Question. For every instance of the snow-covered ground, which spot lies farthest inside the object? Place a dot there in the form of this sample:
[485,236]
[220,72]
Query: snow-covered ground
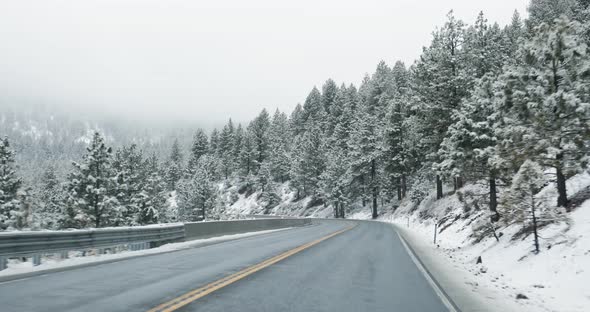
[288,206]
[16,267]
[555,279]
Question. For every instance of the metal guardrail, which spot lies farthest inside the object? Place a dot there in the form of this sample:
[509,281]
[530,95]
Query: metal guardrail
[34,244]
[199,230]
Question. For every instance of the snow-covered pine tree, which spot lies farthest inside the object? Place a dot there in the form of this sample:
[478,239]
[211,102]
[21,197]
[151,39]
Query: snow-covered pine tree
[312,148]
[328,98]
[247,154]
[345,103]
[546,102]
[174,166]
[127,165]
[511,34]
[200,147]
[296,121]
[520,205]
[48,213]
[198,194]
[226,140]
[439,85]
[279,147]
[10,183]
[396,157]
[237,148]
[335,180]
[214,142]
[258,130]
[547,11]
[90,185]
[469,147]
[151,200]
[483,49]
[366,151]
[269,197]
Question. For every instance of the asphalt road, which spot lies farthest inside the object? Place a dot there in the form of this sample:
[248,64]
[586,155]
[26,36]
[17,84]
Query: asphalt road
[365,268]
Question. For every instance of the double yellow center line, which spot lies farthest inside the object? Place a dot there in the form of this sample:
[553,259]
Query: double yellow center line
[193,295]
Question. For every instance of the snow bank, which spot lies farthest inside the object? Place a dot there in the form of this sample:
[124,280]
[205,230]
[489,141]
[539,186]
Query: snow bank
[553,280]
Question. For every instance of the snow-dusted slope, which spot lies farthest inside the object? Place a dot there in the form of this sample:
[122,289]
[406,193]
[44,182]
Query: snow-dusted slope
[555,279]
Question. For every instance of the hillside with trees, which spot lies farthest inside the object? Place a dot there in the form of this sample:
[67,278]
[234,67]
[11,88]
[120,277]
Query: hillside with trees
[480,101]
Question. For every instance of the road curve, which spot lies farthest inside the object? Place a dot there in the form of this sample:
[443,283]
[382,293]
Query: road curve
[363,268]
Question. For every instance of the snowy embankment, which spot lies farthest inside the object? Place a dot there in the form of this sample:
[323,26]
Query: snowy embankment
[510,274]
[52,263]
[288,206]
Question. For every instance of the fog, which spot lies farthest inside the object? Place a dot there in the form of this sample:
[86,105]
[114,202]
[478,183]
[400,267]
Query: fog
[207,61]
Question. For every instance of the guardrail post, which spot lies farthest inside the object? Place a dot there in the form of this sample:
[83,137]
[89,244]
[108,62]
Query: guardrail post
[3,263]
[36,259]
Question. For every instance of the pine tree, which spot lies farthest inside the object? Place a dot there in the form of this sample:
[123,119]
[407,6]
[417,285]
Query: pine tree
[296,121]
[175,166]
[48,215]
[335,181]
[90,186]
[545,102]
[469,147]
[520,204]
[199,148]
[151,200]
[258,130]
[395,135]
[547,11]
[10,183]
[127,167]
[439,85]
[268,191]
[328,98]
[214,143]
[279,139]
[226,141]
[512,34]
[197,195]
[247,154]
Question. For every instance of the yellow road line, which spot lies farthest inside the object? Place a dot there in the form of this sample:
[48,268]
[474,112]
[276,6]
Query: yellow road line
[193,295]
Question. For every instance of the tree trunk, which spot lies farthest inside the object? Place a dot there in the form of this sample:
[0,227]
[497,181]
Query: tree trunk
[342,211]
[203,209]
[561,188]
[534,223]
[493,199]
[439,187]
[399,189]
[373,171]
[459,182]
[404,186]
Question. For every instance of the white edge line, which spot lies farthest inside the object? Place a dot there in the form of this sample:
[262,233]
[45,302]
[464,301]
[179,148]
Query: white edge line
[439,292]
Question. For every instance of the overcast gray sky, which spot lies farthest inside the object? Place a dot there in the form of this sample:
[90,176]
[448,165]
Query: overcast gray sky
[206,61]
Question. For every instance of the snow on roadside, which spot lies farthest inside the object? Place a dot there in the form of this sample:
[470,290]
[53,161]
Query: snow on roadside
[553,280]
[17,267]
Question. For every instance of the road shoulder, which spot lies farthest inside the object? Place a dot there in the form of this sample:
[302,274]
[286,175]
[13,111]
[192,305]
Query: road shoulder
[450,278]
